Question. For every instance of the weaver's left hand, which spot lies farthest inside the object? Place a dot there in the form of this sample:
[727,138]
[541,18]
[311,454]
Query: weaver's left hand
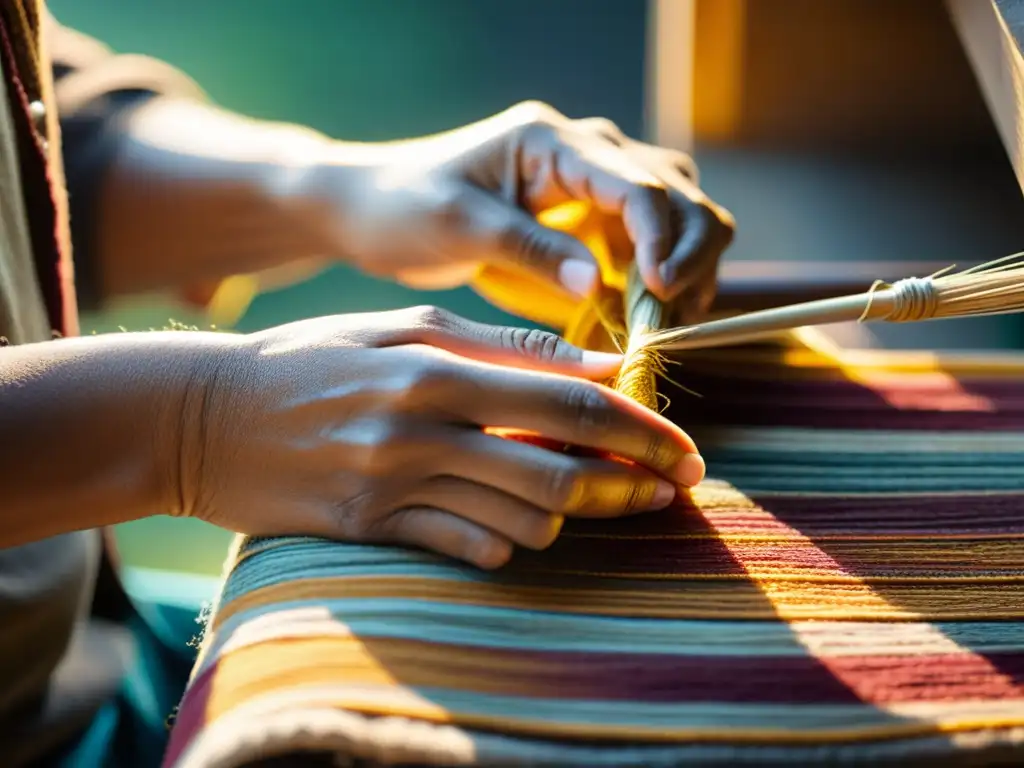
[429,212]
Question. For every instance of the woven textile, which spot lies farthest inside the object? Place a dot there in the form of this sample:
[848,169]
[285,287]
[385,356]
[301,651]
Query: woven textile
[847,586]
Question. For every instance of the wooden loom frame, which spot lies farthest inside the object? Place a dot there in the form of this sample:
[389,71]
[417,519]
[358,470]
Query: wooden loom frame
[991,32]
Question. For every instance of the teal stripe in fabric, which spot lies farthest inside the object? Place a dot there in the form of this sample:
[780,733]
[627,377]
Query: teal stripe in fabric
[487,627]
[782,441]
[290,562]
[848,587]
[836,472]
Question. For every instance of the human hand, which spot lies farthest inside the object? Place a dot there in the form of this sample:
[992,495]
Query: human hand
[370,427]
[429,212]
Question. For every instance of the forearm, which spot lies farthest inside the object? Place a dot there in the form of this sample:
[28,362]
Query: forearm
[197,193]
[91,429]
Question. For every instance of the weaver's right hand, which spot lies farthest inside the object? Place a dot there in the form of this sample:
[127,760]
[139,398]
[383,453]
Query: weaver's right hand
[370,428]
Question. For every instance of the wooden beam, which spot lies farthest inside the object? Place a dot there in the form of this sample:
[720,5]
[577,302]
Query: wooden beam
[719,61]
[991,32]
[669,80]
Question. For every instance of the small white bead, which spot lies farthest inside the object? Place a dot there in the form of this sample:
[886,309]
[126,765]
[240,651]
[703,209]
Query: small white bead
[38,111]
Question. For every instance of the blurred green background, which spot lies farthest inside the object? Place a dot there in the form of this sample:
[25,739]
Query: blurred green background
[363,70]
[384,69]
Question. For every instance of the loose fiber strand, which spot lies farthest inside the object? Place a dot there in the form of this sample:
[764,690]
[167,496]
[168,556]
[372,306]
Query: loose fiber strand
[993,288]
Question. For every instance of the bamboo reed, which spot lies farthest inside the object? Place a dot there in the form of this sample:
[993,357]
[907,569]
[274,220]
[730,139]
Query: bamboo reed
[993,288]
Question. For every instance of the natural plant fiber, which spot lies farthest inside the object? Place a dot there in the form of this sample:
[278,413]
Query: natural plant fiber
[638,378]
[993,288]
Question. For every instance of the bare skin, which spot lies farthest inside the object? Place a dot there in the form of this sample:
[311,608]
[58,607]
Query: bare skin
[364,427]
[205,194]
[360,427]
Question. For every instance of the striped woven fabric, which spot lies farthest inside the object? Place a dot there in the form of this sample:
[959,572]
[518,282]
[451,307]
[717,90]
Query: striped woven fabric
[849,586]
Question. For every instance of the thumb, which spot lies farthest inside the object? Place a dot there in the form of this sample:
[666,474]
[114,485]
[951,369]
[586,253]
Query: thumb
[502,233]
[526,348]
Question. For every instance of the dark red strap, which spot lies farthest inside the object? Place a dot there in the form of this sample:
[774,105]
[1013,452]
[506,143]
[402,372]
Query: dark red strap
[52,265]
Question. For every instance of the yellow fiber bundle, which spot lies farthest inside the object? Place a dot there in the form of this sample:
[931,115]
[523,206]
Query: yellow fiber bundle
[599,323]
[620,315]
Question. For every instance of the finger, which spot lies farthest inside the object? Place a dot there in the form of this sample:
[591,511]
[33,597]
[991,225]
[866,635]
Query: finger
[498,232]
[654,157]
[688,231]
[605,128]
[693,302]
[514,519]
[526,348]
[440,531]
[574,411]
[707,231]
[673,275]
[673,227]
[555,483]
[703,230]
[595,170]
[648,155]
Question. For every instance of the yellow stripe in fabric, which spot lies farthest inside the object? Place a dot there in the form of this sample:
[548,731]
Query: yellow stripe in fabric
[792,578]
[796,362]
[774,580]
[842,595]
[363,676]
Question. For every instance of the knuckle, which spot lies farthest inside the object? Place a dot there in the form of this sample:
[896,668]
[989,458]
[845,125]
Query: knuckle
[383,527]
[717,221]
[629,498]
[603,127]
[677,158]
[661,453]
[590,410]
[352,519]
[535,124]
[725,224]
[422,381]
[535,112]
[636,496]
[566,489]
[524,245]
[536,343]
[683,162]
[379,446]
[430,318]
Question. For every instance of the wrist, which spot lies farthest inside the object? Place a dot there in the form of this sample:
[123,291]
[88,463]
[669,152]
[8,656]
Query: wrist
[330,195]
[95,428]
[188,416]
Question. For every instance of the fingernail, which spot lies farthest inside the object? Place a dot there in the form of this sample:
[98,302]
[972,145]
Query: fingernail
[690,470]
[664,494]
[490,553]
[579,277]
[667,273]
[603,360]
